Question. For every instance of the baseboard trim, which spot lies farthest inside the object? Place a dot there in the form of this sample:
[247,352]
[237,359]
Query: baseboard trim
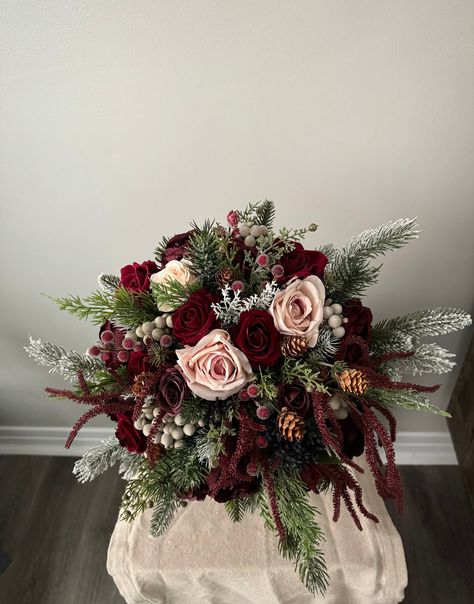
[411,448]
[29,440]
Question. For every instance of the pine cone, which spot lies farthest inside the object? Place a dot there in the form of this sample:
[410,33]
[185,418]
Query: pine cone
[352,381]
[290,424]
[225,276]
[294,346]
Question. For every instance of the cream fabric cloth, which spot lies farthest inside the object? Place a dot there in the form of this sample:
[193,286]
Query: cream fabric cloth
[204,558]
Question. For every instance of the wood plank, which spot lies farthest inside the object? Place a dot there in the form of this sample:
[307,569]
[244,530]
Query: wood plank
[461,426]
[437,530]
[56,532]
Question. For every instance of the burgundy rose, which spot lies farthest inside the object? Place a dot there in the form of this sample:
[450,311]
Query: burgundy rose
[359,324]
[138,362]
[171,390]
[301,263]
[136,276]
[195,318]
[198,493]
[232,487]
[128,436]
[176,247]
[359,319]
[256,336]
[296,398]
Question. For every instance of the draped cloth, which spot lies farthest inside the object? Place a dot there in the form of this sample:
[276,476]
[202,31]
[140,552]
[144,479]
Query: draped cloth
[204,558]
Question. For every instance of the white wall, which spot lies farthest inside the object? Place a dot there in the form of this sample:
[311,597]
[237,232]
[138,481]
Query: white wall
[122,120]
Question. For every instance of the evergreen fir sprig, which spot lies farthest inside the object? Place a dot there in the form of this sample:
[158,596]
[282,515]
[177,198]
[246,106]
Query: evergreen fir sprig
[237,508]
[351,272]
[164,510]
[408,399]
[64,362]
[401,334]
[426,358]
[261,213]
[104,456]
[105,381]
[108,283]
[194,409]
[125,308]
[161,487]
[159,355]
[171,293]
[160,250]
[204,252]
[329,250]
[303,534]
[326,346]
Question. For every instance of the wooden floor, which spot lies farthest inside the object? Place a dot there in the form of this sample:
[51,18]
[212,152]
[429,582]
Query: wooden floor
[56,534]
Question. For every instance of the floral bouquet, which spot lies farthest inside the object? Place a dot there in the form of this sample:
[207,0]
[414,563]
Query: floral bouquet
[240,366]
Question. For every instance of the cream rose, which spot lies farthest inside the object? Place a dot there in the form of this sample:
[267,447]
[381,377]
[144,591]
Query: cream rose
[297,310]
[179,270]
[214,368]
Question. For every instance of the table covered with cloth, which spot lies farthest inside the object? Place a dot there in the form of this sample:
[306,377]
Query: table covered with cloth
[204,558]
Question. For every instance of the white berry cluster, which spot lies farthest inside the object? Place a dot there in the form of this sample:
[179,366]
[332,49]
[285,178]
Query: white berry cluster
[171,431]
[332,313]
[155,330]
[249,232]
[339,406]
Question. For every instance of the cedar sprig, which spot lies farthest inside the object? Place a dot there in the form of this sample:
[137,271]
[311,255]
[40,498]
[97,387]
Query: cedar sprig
[125,308]
[301,371]
[172,293]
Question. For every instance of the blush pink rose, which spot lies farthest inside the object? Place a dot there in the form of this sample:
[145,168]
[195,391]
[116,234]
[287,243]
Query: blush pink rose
[297,310]
[214,368]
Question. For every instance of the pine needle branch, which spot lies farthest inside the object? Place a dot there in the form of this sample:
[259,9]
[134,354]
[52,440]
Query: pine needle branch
[171,293]
[408,399]
[426,358]
[102,457]
[265,213]
[64,362]
[401,334]
[303,534]
[237,508]
[204,253]
[351,272]
[125,308]
[108,283]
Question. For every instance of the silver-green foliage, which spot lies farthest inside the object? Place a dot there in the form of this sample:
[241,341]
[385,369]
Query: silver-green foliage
[408,399]
[402,334]
[108,283]
[59,360]
[351,271]
[104,456]
[426,358]
[228,311]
